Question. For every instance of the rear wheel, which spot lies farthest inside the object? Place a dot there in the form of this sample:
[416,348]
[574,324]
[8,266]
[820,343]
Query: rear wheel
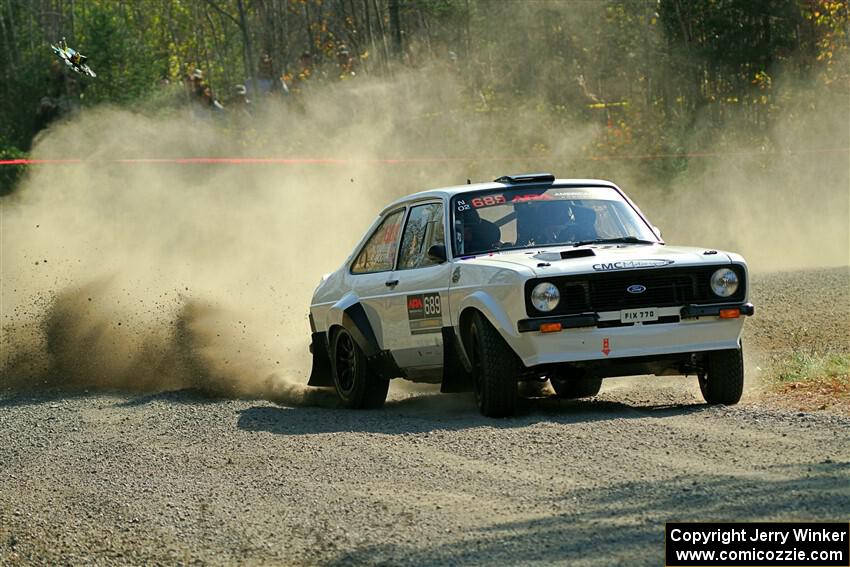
[358,387]
[574,388]
[495,368]
[722,381]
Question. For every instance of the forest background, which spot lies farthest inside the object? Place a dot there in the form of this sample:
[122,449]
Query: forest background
[646,75]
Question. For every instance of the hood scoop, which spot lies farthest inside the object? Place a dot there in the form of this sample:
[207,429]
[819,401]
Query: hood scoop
[564,254]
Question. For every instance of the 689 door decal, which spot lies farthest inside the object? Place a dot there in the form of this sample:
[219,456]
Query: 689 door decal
[425,313]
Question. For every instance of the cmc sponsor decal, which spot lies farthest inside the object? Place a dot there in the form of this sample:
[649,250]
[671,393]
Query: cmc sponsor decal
[630,265]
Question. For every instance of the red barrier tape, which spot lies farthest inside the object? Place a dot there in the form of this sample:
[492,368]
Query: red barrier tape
[337,161]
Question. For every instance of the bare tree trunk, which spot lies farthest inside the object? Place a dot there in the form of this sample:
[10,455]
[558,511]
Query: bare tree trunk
[248,48]
[12,28]
[373,51]
[270,44]
[201,50]
[30,32]
[395,27]
[10,48]
[468,35]
[380,19]
[285,26]
[351,27]
[173,35]
[427,29]
[307,27]
[220,55]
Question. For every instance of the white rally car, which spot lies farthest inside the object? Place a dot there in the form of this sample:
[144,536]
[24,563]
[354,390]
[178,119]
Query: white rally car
[526,278]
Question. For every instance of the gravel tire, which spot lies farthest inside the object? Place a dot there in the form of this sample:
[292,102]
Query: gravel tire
[723,380]
[356,384]
[495,368]
[574,388]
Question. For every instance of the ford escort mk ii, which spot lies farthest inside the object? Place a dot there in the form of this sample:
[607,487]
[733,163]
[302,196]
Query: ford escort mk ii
[529,278]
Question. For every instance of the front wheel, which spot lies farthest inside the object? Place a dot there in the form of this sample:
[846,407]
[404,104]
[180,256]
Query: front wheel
[495,368]
[722,381]
[357,386]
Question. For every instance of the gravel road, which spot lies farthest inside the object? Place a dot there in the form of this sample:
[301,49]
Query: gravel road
[178,478]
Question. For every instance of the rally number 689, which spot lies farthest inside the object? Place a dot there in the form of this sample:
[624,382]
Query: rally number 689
[431,304]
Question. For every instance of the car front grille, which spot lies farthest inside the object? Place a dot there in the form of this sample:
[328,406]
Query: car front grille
[608,291]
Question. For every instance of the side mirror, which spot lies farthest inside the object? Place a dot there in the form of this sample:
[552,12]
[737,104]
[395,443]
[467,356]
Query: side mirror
[657,231]
[437,252]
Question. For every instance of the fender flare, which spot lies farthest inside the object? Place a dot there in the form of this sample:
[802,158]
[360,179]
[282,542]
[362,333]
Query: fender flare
[334,315]
[491,309]
[349,314]
[355,321]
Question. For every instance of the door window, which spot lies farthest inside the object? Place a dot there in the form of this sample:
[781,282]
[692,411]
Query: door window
[424,229]
[378,255]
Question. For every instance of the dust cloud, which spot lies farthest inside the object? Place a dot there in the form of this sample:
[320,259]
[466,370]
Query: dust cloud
[158,276]
[786,207]
[150,276]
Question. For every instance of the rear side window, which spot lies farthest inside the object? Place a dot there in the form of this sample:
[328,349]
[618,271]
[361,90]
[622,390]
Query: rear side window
[424,229]
[378,255]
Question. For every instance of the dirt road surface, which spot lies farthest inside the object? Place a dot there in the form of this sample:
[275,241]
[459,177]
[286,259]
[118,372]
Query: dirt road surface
[178,478]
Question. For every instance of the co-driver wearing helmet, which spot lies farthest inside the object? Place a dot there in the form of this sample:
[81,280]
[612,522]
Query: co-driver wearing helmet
[474,234]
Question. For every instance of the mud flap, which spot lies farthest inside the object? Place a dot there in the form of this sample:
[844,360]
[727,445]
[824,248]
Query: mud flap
[355,321]
[457,376]
[320,374]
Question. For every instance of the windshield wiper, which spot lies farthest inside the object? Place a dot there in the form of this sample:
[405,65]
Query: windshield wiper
[624,239]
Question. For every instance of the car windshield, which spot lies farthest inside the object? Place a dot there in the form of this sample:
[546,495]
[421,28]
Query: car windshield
[504,219]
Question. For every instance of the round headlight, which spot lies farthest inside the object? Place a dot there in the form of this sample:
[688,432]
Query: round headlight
[724,282]
[545,296]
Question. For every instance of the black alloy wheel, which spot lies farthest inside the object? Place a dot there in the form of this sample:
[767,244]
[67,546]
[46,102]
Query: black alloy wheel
[356,383]
[345,363]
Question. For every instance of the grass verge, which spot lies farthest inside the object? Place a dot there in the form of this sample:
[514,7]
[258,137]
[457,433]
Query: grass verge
[811,381]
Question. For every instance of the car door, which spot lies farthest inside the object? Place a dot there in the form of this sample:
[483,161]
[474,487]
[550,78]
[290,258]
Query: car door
[418,296]
[372,268]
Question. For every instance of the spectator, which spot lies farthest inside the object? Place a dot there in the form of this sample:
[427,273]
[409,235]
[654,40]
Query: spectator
[240,103]
[284,88]
[209,101]
[306,65]
[345,62]
[195,85]
[265,75]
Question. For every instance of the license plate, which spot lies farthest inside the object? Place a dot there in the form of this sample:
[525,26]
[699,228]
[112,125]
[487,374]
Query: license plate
[639,315]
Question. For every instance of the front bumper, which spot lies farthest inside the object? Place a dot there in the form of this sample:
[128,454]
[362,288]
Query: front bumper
[591,336]
[593,319]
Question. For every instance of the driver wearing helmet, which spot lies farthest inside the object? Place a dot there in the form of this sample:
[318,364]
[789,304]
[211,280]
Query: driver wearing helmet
[550,218]
[474,234]
[584,227]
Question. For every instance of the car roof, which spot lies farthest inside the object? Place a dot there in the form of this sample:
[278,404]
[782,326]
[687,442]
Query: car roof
[451,191]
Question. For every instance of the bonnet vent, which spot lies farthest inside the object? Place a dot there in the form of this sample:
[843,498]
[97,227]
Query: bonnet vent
[580,253]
